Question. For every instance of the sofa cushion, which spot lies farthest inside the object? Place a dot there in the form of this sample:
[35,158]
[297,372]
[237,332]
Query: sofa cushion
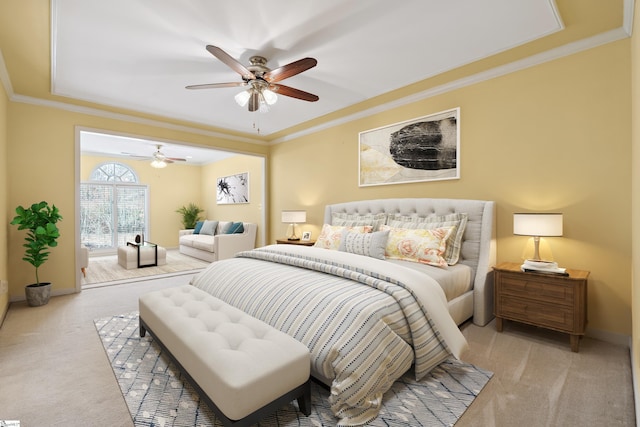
[198,227]
[198,241]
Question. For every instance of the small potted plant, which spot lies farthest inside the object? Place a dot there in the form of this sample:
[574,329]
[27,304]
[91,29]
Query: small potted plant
[190,215]
[42,233]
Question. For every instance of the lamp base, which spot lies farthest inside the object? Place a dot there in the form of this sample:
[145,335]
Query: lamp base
[293,239]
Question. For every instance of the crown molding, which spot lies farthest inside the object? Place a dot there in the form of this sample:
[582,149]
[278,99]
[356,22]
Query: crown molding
[128,118]
[550,55]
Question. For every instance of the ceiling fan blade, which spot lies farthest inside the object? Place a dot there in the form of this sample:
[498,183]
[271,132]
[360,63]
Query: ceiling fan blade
[175,159]
[231,62]
[216,85]
[293,93]
[290,70]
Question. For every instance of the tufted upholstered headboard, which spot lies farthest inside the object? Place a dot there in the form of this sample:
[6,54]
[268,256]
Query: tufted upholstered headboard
[478,243]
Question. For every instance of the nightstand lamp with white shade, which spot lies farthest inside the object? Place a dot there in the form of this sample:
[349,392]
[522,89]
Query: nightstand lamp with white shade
[293,218]
[537,225]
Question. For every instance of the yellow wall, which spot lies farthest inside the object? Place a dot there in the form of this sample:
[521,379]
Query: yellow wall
[41,147]
[554,137]
[635,211]
[4,210]
[247,212]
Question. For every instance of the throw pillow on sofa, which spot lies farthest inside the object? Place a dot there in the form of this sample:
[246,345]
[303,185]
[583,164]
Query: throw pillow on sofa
[198,227]
[236,228]
[209,227]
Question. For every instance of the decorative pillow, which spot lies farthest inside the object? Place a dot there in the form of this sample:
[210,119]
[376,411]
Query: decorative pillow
[331,235]
[198,227]
[209,227]
[223,226]
[236,228]
[367,244]
[454,243]
[418,245]
[353,220]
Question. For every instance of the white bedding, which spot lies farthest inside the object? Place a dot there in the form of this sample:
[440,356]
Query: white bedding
[454,280]
[361,338]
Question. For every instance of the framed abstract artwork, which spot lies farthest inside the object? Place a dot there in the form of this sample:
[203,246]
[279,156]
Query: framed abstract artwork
[422,149]
[233,189]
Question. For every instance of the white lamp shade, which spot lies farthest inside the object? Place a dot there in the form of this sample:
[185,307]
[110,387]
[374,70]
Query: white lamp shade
[537,224]
[294,217]
[158,164]
[243,98]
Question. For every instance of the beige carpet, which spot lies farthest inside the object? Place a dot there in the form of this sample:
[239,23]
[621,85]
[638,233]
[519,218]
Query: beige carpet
[106,270]
[53,369]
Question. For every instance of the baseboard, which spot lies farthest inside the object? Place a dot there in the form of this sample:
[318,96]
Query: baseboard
[634,382]
[610,337]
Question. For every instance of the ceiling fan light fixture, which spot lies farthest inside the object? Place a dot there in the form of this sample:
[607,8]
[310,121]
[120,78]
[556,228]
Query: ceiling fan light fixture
[242,98]
[158,164]
[269,96]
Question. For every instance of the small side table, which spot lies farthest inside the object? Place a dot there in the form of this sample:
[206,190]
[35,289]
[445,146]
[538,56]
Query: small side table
[295,242]
[138,246]
[541,299]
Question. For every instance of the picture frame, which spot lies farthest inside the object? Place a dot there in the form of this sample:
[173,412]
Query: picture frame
[306,236]
[233,189]
[423,149]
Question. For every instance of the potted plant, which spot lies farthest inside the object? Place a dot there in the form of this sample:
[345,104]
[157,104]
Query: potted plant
[42,233]
[190,215]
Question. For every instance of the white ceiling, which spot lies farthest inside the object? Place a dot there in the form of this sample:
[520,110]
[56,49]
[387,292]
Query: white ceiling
[140,55]
[100,144]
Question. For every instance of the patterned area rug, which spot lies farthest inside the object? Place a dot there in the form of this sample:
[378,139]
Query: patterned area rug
[157,395]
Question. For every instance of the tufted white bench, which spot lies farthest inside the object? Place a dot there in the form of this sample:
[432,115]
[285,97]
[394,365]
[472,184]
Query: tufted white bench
[242,367]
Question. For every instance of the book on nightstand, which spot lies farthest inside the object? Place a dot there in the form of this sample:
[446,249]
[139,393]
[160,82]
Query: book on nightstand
[547,267]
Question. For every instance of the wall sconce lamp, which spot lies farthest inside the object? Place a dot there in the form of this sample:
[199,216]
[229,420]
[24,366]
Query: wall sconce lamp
[537,225]
[293,218]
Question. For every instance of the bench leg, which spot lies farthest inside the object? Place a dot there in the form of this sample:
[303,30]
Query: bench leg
[304,401]
[143,331]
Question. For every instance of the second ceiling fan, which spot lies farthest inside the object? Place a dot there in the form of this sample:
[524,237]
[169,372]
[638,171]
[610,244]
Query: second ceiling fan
[261,81]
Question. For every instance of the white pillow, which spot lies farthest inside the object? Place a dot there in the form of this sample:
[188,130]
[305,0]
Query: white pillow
[209,227]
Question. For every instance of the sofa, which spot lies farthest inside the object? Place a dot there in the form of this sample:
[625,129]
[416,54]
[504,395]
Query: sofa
[215,240]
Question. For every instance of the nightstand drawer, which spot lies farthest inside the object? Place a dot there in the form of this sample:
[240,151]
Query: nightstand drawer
[541,289]
[539,314]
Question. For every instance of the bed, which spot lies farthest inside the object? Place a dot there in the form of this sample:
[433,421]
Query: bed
[367,320]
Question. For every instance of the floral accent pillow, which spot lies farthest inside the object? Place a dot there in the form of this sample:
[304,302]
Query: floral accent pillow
[454,243]
[331,235]
[418,245]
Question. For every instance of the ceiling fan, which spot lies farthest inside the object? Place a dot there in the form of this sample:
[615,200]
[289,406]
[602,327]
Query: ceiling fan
[262,82]
[158,159]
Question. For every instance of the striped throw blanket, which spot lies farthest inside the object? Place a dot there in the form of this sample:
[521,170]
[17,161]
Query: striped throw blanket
[364,329]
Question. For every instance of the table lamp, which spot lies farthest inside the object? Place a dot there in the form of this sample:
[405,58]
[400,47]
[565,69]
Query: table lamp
[293,218]
[537,225]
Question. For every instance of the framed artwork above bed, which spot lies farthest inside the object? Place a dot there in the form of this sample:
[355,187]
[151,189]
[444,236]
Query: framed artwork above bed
[233,189]
[426,148]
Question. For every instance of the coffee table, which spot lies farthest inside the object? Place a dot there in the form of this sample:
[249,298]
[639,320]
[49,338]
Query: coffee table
[145,245]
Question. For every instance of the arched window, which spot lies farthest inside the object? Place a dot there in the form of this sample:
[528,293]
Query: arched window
[113,171]
[113,207]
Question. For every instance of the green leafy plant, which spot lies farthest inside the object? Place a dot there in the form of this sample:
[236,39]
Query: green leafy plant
[190,215]
[42,233]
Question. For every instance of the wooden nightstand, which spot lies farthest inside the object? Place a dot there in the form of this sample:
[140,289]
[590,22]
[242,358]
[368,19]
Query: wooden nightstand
[295,242]
[546,300]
